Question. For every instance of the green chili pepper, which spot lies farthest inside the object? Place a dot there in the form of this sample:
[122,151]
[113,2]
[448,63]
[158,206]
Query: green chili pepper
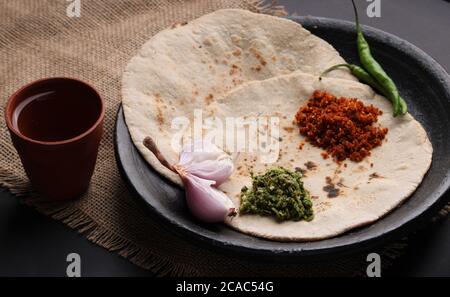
[403,106]
[376,71]
[365,77]
[360,73]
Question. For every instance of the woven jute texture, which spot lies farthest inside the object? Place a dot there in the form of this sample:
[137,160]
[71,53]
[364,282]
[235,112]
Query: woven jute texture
[37,40]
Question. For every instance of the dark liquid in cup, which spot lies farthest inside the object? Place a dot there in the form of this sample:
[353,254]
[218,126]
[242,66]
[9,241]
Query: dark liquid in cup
[56,114]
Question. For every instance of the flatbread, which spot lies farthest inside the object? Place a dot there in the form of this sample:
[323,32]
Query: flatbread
[191,65]
[176,72]
[368,189]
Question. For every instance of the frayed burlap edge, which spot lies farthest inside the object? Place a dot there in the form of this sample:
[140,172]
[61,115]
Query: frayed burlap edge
[78,220]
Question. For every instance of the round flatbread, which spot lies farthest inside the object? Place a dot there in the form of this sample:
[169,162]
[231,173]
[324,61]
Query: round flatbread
[190,66]
[367,190]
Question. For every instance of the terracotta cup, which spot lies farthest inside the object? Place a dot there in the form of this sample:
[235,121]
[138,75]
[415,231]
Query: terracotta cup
[58,137]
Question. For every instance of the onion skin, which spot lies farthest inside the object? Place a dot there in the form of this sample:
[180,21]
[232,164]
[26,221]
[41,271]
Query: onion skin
[218,171]
[202,169]
[205,160]
[205,202]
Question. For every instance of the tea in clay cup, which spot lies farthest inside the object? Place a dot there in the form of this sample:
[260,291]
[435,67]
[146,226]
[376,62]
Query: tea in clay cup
[56,125]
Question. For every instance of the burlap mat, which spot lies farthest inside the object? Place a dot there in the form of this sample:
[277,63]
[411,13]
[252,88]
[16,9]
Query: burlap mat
[38,40]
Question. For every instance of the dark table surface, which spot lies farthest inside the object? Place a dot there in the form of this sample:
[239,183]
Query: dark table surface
[34,245]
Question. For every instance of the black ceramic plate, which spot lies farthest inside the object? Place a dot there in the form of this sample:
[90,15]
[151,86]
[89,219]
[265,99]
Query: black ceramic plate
[426,88]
